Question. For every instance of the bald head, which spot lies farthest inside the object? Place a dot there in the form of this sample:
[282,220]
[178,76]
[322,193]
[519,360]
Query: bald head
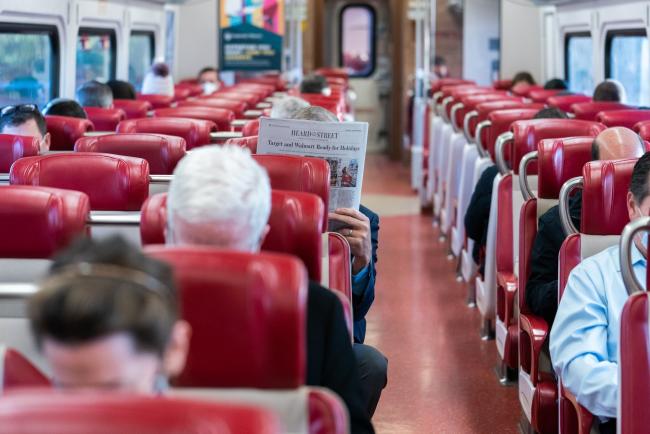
[617,143]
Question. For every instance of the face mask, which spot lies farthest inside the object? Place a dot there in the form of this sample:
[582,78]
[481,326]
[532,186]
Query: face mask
[327,91]
[209,87]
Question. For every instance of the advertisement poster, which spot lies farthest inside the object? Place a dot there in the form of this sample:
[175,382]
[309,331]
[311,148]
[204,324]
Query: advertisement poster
[251,35]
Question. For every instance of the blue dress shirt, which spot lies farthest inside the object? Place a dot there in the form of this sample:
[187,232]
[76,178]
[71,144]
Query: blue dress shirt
[584,338]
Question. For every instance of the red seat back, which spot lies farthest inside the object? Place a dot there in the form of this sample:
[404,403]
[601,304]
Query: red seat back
[13,147]
[251,99]
[500,123]
[65,131]
[36,222]
[588,110]
[437,85]
[181,93]
[196,132]
[161,151]
[504,84]
[643,129]
[156,101]
[193,88]
[244,142]
[564,102]
[623,118]
[220,116]
[260,301]
[251,128]
[560,160]
[18,372]
[238,107]
[105,119]
[484,109]
[49,412]
[133,108]
[112,182]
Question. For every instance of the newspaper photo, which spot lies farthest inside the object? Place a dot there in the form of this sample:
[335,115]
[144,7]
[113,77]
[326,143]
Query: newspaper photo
[342,144]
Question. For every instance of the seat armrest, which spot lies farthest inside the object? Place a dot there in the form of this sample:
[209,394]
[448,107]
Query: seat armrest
[506,290]
[584,418]
[537,330]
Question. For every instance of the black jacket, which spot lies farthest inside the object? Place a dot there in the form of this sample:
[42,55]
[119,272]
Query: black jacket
[330,360]
[541,287]
[478,211]
[363,292]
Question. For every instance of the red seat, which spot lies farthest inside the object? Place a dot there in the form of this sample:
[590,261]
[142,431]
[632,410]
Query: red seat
[193,88]
[244,142]
[499,122]
[156,101]
[196,132]
[251,128]
[469,108]
[623,118]
[13,147]
[105,119]
[643,129]
[49,412]
[221,117]
[251,99]
[542,95]
[588,110]
[112,182]
[564,102]
[18,372]
[558,161]
[238,107]
[504,84]
[65,131]
[161,151]
[133,108]
[181,93]
[604,213]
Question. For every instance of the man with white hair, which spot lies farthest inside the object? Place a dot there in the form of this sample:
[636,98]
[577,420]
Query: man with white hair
[287,107]
[221,197]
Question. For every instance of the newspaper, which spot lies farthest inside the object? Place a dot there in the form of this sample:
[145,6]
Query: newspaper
[342,144]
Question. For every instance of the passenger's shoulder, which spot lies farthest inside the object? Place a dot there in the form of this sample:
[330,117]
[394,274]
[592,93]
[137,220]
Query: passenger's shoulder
[602,263]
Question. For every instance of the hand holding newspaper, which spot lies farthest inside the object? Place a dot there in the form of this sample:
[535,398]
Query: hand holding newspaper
[342,144]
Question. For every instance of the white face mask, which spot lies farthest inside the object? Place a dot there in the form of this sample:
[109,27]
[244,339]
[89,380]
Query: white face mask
[209,87]
[327,91]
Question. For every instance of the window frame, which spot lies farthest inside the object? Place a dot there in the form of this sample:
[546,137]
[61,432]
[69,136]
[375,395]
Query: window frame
[152,40]
[373,37]
[101,31]
[567,41]
[55,47]
[609,38]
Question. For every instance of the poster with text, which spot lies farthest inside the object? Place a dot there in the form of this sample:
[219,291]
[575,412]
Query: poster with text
[251,35]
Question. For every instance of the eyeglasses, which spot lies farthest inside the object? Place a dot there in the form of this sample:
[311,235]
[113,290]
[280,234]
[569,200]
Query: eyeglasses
[20,108]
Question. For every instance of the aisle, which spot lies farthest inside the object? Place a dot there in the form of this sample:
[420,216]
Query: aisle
[440,372]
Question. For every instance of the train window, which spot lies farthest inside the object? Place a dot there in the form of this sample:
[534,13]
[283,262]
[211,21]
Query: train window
[357,40]
[96,54]
[578,62]
[141,52]
[627,61]
[29,65]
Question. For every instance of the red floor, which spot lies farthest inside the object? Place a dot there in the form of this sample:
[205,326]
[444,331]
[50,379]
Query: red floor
[441,377]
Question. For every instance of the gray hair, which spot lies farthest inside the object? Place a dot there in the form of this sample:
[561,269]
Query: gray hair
[95,94]
[315,113]
[219,196]
[287,107]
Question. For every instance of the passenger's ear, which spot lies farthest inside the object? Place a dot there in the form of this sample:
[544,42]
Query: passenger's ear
[263,236]
[175,355]
[45,143]
[631,206]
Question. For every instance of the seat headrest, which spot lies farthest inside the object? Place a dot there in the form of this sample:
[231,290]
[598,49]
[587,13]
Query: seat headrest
[220,116]
[80,412]
[542,95]
[588,110]
[244,142]
[643,129]
[17,371]
[251,99]
[181,93]
[527,133]
[36,222]
[560,160]
[448,89]
[623,118]
[105,119]
[564,102]
[502,84]
[459,92]
[260,303]
[604,198]
[251,128]
[133,108]
[196,132]
[194,89]
[13,147]
[437,85]
[156,101]
[473,100]
[485,108]
[64,131]
[501,121]
[161,151]
[302,174]
[238,107]
[112,182]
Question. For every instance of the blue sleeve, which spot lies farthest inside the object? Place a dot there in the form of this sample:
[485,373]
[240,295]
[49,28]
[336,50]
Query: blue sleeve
[363,283]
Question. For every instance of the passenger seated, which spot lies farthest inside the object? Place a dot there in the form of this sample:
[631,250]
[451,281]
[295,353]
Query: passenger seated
[478,211]
[95,94]
[440,68]
[221,197]
[209,78]
[584,340]
[556,84]
[315,83]
[121,89]
[522,81]
[287,107]
[107,317]
[25,120]
[541,289]
[158,81]
[65,107]
[610,90]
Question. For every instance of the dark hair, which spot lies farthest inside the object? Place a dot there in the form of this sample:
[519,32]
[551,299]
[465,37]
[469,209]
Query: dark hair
[313,83]
[98,288]
[160,69]
[439,61]
[207,69]
[19,117]
[523,76]
[556,83]
[95,94]
[639,181]
[65,107]
[607,91]
[551,113]
[121,89]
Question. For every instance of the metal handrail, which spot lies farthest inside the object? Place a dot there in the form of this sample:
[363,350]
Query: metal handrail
[122,219]
[452,116]
[563,206]
[445,103]
[632,284]
[225,135]
[436,96]
[468,118]
[17,290]
[499,149]
[477,138]
[524,186]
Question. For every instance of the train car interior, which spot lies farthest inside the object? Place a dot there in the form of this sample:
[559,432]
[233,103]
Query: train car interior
[324,216]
